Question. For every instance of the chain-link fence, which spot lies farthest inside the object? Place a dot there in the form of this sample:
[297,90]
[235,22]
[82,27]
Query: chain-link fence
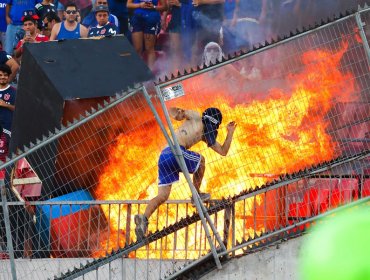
[300,148]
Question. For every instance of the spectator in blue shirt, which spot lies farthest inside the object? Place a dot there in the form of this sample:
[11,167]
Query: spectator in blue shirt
[13,14]
[119,9]
[2,22]
[90,20]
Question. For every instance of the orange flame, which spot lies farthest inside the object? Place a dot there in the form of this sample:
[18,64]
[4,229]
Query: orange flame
[281,134]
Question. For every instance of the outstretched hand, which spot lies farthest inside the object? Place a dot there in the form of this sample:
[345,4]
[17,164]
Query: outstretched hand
[231,127]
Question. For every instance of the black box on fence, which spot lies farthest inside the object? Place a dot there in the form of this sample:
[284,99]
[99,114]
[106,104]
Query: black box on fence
[60,80]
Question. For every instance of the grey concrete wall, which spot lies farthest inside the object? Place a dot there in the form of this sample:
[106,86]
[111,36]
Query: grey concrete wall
[278,262]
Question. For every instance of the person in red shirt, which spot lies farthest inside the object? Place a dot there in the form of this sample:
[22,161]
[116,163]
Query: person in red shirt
[32,35]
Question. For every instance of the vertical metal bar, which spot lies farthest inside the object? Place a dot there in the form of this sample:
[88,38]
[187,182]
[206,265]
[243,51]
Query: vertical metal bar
[79,229]
[254,216]
[233,228]
[118,225]
[186,234]
[109,221]
[265,211]
[9,240]
[128,226]
[156,225]
[59,225]
[227,220]
[361,25]
[175,233]
[160,259]
[200,207]
[89,229]
[244,218]
[69,228]
[360,184]
[166,237]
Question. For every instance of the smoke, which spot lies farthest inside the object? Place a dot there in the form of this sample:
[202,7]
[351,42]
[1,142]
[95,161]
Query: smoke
[281,17]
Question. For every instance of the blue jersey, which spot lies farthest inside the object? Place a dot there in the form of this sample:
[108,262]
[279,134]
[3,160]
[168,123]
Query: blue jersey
[90,20]
[6,115]
[146,12]
[17,7]
[2,16]
[107,30]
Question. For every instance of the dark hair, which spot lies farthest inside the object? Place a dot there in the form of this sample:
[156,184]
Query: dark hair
[29,18]
[50,16]
[70,4]
[5,68]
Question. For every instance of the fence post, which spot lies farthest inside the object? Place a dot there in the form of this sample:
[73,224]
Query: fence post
[361,25]
[9,239]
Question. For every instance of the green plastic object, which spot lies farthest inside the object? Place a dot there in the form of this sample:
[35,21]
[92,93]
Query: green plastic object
[338,247]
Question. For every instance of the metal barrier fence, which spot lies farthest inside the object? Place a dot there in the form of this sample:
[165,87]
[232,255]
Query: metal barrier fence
[304,102]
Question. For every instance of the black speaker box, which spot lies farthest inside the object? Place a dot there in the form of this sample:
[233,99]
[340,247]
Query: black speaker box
[56,76]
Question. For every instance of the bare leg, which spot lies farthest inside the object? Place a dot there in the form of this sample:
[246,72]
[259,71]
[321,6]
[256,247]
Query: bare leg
[149,41]
[163,194]
[198,175]
[137,41]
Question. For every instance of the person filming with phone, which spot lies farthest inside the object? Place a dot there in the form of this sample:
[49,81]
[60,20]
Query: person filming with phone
[29,20]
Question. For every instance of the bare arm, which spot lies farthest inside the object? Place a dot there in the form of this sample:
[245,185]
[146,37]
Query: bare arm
[7,17]
[181,114]
[207,2]
[224,148]
[55,31]
[83,31]
[14,66]
[6,105]
[132,5]
[18,52]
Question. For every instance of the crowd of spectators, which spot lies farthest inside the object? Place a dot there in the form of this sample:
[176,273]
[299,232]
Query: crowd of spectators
[169,34]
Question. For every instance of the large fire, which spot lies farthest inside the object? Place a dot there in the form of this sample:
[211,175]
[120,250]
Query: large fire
[283,133]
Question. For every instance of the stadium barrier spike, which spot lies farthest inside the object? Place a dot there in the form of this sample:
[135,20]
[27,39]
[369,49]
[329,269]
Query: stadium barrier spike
[111,98]
[166,78]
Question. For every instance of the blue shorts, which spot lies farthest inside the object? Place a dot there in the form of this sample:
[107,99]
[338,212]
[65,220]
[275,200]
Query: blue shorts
[146,23]
[168,168]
